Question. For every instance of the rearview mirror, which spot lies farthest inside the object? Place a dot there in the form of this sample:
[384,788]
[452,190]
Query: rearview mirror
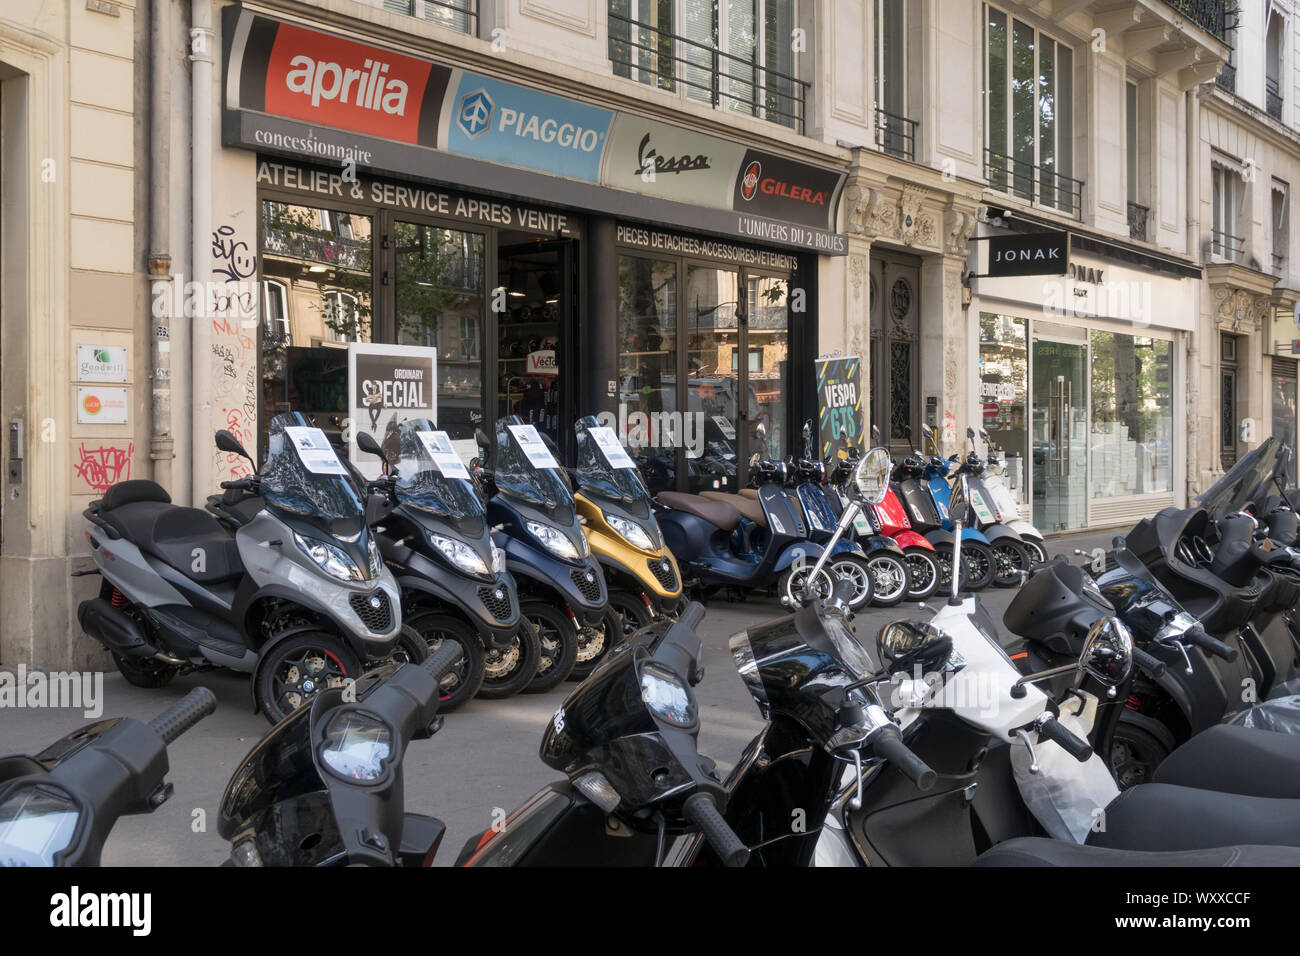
[872,476]
[366,442]
[229,443]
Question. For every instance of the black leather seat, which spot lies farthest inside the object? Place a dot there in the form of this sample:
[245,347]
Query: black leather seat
[1161,817]
[1040,851]
[129,492]
[1233,759]
[172,533]
[178,533]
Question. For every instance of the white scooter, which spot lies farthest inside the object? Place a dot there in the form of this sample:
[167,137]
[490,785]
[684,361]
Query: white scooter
[1005,507]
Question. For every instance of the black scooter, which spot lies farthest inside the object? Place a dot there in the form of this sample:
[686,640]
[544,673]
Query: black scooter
[433,533]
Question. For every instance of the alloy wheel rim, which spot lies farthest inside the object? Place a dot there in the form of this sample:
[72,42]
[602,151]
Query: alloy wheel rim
[300,678]
[922,571]
[890,577]
[854,572]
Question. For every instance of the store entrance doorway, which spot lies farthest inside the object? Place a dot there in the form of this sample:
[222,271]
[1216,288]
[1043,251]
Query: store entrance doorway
[533,304]
[1060,434]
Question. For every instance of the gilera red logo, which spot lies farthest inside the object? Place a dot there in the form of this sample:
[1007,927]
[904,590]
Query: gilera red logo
[775,187]
[749,184]
[335,82]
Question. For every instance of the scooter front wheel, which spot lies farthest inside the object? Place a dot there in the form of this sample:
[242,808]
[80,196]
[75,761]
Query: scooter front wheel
[1010,562]
[145,671]
[858,570]
[890,578]
[977,564]
[1037,553]
[627,614]
[507,670]
[794,588]
[298,668]
[923,567]
[465,677]
[557,636]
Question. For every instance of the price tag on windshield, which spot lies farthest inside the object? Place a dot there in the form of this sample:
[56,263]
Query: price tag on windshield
[533,447]
[610,447]
[724,426]
[439,447]
[315,450]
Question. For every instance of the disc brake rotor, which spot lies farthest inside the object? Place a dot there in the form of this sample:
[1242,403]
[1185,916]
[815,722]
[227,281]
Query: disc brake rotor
[497,663]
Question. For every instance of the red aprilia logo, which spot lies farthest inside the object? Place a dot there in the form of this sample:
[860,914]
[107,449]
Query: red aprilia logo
[335,82]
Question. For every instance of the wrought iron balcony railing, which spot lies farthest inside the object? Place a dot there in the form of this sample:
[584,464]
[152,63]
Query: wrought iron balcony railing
[1210,15]
[1040,185]
[461,15]
[657,57]
[1137,221]
[896,135]
[1272,98]
[1225,247]
[311,246]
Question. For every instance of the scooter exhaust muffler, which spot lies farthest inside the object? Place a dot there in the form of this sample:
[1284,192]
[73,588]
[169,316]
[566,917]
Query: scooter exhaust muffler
[115,630]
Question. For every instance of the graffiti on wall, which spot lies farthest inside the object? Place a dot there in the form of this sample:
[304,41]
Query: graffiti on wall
[97,466]
[234,349]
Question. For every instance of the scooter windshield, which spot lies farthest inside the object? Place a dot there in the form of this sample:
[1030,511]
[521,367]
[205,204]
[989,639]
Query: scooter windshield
[303,474]
[1236,489]
[521,466]
[598,475]
[431,477]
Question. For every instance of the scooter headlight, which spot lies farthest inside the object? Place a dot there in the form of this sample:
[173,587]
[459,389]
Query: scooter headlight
[376,561]
[555,540]
[632,532]
[462,556]
[357,747]
[333,560]
[667,697]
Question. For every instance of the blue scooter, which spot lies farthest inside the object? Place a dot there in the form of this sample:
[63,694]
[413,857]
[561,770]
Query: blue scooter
[724,541]
[978,564]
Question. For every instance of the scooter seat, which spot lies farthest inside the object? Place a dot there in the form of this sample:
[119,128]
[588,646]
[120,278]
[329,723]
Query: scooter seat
[751,493]
[134,490]
[1041,851]
[1160,817]
[173,535]
[1234,759]
[718,513]
[751,508]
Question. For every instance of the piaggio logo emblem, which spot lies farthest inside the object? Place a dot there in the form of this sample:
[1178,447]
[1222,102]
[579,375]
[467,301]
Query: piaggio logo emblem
[475,113]
[749,183]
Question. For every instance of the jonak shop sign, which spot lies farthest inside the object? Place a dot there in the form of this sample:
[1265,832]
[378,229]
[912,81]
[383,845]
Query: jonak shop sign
[323,98]
[1038,254]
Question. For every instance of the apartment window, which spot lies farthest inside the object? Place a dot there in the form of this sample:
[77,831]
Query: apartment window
[1275,47]
[460,15]
[737,55]
[1225,244]
[1138,214]
[276,307]
[1029,95]
[342,317]
[895,133]
[1281,226]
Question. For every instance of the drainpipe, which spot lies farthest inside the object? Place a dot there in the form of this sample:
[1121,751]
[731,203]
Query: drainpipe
[201,44]
[1193,247]
[161,443]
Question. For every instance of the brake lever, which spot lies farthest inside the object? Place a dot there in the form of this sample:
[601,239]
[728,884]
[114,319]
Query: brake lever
[1029,745]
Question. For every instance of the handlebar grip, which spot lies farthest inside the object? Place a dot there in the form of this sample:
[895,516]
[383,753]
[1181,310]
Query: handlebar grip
[1068,740]
[692,616]
[888,743]
[703,812]
[184,714]
[442,660]
[1149,663]
[1210,645]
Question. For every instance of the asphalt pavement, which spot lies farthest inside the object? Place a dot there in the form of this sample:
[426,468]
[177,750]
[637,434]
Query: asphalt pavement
[484,760]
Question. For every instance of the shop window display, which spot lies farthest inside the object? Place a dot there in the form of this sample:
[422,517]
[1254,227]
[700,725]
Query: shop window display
[1132,415]
[1004,369]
